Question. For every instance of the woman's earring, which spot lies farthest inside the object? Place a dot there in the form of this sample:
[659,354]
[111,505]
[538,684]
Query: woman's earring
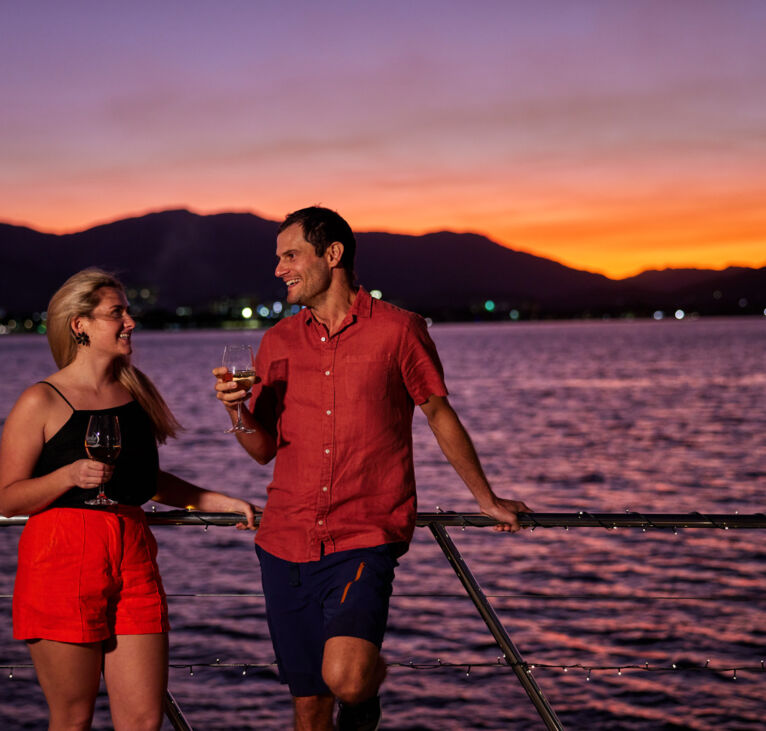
[81,338]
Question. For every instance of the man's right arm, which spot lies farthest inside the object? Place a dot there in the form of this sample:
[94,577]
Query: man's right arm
[261,444]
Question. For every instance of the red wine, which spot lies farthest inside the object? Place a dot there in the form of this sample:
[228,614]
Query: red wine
[102,454]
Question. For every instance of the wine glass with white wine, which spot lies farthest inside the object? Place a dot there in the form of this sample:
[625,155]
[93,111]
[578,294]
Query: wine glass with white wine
[239,364]
[102,443]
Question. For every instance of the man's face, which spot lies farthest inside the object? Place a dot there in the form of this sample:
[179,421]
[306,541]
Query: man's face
[306,275]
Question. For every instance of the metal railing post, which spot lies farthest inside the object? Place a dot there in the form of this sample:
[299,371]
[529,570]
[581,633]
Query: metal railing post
[174,713]
[511,654]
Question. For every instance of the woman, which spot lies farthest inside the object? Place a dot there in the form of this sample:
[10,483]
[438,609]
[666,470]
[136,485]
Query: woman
[88,594]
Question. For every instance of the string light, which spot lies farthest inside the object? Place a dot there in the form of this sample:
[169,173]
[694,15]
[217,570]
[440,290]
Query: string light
[499,664]
[537,596]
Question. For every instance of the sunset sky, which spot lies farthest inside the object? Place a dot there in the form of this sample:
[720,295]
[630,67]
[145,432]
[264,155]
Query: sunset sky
[610,135]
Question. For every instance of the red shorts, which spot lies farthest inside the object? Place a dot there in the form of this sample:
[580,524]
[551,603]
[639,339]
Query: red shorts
[86,575]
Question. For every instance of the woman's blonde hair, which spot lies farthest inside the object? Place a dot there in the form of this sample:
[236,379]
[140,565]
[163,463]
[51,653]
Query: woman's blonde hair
[78,297]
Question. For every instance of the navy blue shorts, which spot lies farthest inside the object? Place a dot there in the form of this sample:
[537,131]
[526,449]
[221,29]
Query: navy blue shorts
[343,594]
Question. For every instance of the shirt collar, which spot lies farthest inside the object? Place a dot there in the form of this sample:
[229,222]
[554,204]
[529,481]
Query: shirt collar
[362,307]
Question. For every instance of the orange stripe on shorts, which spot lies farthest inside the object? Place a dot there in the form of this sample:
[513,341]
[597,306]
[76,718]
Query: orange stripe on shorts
[356,578]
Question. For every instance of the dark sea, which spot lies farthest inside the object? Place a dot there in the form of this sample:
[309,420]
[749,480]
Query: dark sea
[628,629]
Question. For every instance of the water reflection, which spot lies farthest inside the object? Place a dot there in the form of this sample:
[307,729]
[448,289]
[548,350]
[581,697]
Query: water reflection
[651,416]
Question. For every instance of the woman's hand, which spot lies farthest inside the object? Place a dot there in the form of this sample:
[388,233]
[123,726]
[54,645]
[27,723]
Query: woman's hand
[250,512]
[87,473]
[172,490]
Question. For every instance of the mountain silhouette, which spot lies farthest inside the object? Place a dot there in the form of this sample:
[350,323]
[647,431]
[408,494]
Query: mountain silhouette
[193,260]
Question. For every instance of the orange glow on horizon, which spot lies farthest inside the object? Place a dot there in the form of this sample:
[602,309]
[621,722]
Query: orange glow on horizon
[618,245]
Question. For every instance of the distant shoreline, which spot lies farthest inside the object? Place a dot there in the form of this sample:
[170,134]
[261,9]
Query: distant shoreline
[32,324]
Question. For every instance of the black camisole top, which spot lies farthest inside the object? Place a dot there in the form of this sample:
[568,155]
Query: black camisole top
[134,480]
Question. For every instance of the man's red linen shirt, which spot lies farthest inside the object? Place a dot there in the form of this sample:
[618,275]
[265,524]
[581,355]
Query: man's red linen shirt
[341,410]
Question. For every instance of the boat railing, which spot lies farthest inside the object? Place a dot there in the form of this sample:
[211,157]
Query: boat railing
[437,523]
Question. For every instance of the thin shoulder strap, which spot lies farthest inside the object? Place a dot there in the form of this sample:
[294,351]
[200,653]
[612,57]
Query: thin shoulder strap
[59,393]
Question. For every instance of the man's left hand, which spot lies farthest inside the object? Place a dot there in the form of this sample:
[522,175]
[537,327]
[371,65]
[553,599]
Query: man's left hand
[506,513]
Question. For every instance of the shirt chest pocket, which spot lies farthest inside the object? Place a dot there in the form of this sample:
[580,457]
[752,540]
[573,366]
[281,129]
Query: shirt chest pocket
[277,372]
[366,379]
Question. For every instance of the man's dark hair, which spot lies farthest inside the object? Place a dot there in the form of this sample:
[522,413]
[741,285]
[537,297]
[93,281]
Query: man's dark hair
[321,227]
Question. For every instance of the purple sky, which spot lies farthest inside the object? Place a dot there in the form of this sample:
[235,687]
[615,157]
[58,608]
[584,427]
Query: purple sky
[610,135]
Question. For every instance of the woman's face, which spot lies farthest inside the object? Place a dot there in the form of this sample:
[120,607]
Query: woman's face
[109,326]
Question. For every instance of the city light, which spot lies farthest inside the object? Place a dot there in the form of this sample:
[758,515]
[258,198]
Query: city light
[376,293]
[247,313]
[489,305]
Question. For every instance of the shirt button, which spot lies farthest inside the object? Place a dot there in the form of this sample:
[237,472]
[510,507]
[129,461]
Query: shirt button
[328,412]
[320,522]
[327,373]
[324,488]
[327,451]
[323,339]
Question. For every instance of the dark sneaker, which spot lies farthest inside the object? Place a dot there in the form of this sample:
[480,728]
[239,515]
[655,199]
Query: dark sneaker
[361,717]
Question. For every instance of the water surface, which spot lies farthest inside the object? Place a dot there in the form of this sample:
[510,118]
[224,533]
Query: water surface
[599,416]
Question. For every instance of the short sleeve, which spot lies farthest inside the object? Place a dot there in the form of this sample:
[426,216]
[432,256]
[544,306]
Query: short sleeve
[421,368]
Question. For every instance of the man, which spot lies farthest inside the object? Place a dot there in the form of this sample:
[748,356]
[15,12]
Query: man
[337,386]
